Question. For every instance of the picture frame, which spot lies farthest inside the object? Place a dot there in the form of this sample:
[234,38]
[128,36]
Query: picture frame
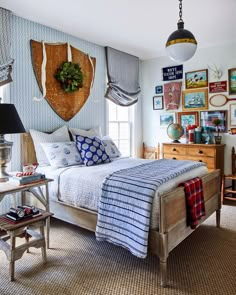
[196,79]
[207,118]
[195,99]
[188,118]
[158,102]
[166,119]
[232,81]
[232,114]
[159,89]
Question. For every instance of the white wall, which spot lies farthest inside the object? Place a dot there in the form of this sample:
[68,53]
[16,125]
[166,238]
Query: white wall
[223,56]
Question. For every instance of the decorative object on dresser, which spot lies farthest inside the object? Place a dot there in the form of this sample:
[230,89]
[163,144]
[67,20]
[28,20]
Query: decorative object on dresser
[10,123]
[175,131]
[212,154]
[229,193]
[195,99]
[46,59]
[151,152]
[217,123]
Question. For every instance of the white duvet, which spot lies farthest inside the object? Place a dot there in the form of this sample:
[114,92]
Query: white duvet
[80,186]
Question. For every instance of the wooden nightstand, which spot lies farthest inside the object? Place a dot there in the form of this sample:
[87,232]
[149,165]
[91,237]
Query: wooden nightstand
[9,188]
[22,229]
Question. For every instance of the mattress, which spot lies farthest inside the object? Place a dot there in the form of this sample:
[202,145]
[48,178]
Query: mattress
[80,186]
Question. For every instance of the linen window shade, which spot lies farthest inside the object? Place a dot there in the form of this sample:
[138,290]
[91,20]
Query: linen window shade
[5,37]
[123,77]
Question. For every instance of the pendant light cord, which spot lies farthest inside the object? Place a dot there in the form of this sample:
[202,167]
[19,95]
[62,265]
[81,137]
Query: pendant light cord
[180,12]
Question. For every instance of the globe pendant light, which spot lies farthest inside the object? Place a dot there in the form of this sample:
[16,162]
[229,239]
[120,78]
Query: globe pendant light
[181,45]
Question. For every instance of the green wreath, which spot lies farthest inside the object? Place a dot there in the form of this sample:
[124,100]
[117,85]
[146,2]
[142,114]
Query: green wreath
[70,76]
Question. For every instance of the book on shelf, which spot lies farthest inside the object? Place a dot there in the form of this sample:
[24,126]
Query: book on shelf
[25,179]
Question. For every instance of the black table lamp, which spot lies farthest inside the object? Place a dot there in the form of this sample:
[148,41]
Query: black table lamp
[10,123]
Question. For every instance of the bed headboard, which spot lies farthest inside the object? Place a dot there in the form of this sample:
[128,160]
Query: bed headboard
[27,149]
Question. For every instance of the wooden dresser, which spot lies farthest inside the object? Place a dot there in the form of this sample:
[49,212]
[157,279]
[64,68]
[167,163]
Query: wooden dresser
[211,154]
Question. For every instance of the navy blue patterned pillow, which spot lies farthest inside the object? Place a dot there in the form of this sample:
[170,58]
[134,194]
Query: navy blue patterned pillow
[92,150]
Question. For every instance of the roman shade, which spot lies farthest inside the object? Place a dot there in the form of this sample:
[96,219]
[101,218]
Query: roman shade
[123,77]
[5,37]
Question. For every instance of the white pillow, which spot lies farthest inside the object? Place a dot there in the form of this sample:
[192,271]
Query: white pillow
[60,135]
[62,154]
[96,131]
[110,147]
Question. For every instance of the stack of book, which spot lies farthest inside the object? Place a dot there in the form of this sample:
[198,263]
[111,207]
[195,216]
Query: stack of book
[21,180]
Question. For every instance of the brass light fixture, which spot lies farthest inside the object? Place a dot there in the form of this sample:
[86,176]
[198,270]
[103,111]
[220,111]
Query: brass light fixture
[181,45]
[10,123]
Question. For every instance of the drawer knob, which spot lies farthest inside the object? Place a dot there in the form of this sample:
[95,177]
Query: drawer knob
[174,158]
[200,161]
[200,152]
[174,149]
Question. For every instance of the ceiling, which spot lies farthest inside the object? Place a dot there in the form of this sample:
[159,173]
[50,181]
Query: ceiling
[137,27]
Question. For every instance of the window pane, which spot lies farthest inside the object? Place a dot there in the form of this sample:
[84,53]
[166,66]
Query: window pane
[124,147]
[113,131]
[112,111]
[124,130]
[122,113]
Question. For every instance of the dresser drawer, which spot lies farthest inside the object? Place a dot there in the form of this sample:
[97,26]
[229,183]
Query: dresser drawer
[210,162]
[174,149]
[174,157]
[201,151]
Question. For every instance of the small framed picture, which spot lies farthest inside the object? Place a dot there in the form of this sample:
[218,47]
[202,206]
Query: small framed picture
[208,117]
[158,89]
[232,81]
[166,119]
[232,115]
[187,118]
[195,99]
[158,102]
[196,79]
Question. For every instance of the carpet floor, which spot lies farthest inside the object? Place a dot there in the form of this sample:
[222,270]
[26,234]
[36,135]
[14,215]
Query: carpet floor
[204,264]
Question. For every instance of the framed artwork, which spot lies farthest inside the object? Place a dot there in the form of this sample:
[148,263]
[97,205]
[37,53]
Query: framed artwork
[158,89]
[166,119]
[172,95]
[196,79]
[158,102]
[187,118]
[232,81]
[196,99]
[207,118]
[232,115]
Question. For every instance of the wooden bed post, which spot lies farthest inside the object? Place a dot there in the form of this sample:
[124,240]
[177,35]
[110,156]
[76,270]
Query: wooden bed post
[163,259]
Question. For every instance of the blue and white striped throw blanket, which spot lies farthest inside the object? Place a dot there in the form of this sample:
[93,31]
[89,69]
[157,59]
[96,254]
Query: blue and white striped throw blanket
[125,204]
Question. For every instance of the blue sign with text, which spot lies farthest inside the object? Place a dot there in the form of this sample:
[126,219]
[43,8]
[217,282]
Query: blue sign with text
[172,73]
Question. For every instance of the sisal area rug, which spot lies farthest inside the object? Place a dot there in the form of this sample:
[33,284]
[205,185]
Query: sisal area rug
[204,264]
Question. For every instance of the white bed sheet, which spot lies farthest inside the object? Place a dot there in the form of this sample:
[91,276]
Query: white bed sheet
[80,186]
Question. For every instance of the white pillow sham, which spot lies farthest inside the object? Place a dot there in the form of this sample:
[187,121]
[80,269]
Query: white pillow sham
[59,135]
[62,154]
[110,147]
[96,131]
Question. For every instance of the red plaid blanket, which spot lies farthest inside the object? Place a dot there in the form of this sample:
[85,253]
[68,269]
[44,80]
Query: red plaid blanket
[194,200]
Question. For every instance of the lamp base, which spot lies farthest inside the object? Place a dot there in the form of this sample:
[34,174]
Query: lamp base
[5,157]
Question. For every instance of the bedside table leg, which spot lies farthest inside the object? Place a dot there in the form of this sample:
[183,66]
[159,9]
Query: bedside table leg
[44,254]
[12,256]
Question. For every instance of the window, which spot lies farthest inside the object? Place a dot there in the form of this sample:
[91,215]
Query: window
[119,127]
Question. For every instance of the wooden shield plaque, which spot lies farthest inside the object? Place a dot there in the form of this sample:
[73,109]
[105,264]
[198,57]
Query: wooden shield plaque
[66,105]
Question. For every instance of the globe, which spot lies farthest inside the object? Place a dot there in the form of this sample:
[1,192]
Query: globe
[175,131]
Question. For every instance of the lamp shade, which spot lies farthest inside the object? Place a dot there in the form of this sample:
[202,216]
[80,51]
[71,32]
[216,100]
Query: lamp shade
[181,45]
[10,121]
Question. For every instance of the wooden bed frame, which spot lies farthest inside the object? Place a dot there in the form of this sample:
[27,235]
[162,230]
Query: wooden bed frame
[173,227]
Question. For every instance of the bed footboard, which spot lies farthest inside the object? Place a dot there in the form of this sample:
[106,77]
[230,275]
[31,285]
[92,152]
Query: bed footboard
[173,227]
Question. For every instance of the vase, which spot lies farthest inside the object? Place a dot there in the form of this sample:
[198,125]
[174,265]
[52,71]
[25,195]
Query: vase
[218,139]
